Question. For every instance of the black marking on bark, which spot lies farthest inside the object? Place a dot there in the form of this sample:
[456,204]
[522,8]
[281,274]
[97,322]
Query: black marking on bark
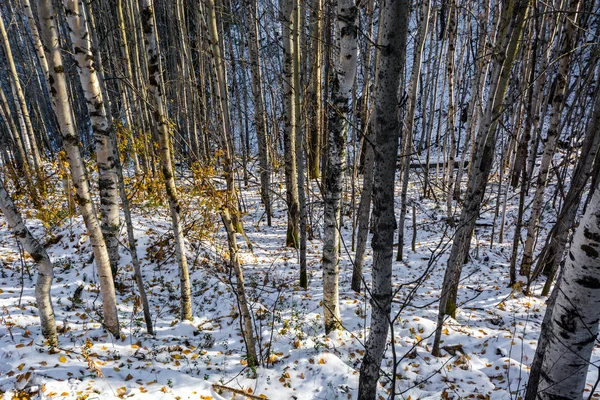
[591,235]
[589,282]
[589,251]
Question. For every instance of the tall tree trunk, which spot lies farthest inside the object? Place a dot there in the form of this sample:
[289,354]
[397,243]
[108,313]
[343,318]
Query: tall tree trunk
[393,25]
[343,81]
[509,37]
[289,120]
[102,128]
[553,252]
[451,120]
[62,108]
[409,121]
[248,330]
[260,116]
[29,133]
[124,89]
[314,102]
[364,205]
[570,326]
[42,261]
[300,167]
[560,86]
[161,119]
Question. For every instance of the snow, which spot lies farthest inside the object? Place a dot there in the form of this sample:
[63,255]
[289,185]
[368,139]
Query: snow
[492,340]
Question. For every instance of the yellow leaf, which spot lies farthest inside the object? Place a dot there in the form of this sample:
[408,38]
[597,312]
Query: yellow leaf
[62,359]
[20,367]
[64,394]
[163,389]
[20,345]
[322,361]
[134,346]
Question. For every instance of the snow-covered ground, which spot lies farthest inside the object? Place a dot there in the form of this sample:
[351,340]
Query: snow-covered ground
[493,339]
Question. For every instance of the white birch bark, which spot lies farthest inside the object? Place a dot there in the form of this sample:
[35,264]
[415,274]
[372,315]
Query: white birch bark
[105,152]
[42,261]
[160,117]
[62,109]
[571,326]
[343,81]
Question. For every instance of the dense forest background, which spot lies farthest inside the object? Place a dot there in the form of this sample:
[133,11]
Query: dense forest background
[300,199]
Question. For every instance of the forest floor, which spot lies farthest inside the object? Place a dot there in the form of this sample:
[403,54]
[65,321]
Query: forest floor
[493,339]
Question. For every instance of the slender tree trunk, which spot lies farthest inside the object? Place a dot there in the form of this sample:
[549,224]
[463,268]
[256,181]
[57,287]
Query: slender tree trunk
[451,120]
[553,252]
[62,108]
[260,116]
[343,81]
[19,151]
[558,99]
[410,120]
[160,117]
[393,24]
[42,261]
[105,151]
[364,210]
[301,177]
[28,133]
[364,205]
[314,102]
[289,120]
[125,93]
[509,36]
[248,330]
[570,326]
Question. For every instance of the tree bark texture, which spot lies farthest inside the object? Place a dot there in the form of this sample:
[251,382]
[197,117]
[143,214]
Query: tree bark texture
[386,127]
[42,261]
[164,143]
[63,111]
[343,81]
[102,128]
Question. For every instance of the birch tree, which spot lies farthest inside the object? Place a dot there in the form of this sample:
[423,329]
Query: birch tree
[42,261]
[164,143]
[411,107]
[259,106]
[558,99]
[31,147]
[102,128]
[343,81]
[289,121]
[570,327]
[314,95]
[63,111]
